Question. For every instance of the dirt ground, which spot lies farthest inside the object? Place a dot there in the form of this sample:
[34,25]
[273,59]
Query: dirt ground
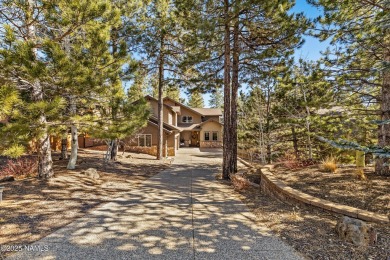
[33,208]
[342,187]
[311,231]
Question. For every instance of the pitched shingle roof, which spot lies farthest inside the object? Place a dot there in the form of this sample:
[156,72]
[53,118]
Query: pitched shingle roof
[210,120]
[209,111]
[170,127]
[201,111]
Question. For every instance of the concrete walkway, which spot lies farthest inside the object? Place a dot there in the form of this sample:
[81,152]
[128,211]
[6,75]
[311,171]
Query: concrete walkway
[181,213]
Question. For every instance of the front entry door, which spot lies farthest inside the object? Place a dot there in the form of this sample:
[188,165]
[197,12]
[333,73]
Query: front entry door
[195,138]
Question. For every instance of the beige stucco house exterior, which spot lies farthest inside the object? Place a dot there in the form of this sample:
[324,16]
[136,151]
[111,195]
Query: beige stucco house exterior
[183,127]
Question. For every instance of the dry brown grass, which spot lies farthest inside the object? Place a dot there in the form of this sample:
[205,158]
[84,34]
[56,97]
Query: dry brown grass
[239,183]
[360,175]
[295,215]
[329,164]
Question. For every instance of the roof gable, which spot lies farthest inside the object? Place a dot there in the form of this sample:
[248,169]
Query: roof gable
[200,111]
[148,97]
[182,105]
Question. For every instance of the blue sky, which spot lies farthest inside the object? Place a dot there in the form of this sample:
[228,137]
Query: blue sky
[311,48]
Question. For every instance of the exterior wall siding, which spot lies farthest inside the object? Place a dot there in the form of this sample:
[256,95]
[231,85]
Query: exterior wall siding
[167,113]
[216,118]
[196,118]
[132,143]
[154,107]
[173,140]
[211,127]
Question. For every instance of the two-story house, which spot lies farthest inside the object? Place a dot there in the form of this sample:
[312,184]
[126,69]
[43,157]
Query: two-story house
[183,127]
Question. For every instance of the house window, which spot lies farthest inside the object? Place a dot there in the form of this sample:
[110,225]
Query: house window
[211,136]
[145,140]
[186,119]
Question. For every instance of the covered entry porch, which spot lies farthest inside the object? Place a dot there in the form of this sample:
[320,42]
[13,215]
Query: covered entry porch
[190,138]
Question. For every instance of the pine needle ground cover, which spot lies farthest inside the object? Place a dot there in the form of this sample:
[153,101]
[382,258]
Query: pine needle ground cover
[344,186]
[32,208]
[311,231]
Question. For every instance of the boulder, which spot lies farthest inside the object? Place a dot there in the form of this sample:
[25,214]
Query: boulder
[356,231]
[91,173]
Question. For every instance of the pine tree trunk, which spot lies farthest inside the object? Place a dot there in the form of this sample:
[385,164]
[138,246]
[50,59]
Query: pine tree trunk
[259,107]
[45,162]
[382,165]
[268,127]
[64,146]
[160,100]
[261,135]
[269,153]
[308,123]
[64,140]
[309,144]
[226,166]
[295,142]
[114,150]
[166,147]
[235,85]
[74,145]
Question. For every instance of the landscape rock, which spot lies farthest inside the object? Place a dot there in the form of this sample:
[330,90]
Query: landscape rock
[356,231]
[91,173]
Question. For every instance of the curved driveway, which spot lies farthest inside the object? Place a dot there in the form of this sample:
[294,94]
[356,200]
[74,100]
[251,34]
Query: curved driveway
[180,213]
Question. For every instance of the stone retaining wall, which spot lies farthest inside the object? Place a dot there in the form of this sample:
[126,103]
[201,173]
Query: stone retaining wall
[272,186]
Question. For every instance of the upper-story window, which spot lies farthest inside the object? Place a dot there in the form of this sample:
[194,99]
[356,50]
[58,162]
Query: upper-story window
[186,119]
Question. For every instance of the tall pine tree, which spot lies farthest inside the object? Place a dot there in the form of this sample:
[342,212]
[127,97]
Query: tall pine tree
[55,53]
[216,98]
[361,33]
[155,36]
[196,99]
[236,41]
